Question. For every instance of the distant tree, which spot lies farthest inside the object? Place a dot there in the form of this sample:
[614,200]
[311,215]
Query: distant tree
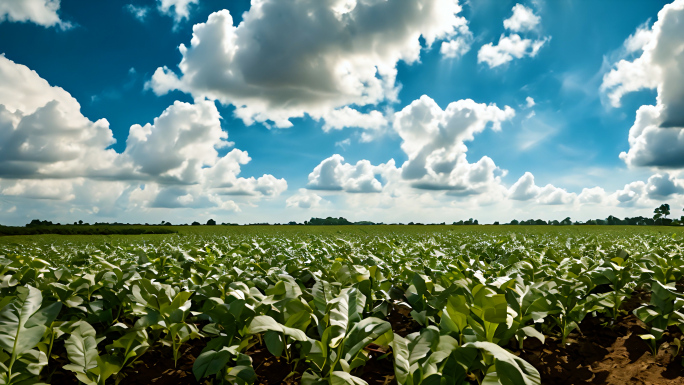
[80,222]
[661,212]
[514,222]
[566,222]
[195,223]
[211,222]
[328,221]
[38,222]
[496,223]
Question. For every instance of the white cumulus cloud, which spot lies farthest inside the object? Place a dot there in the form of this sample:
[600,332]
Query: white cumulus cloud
[349,117]
[290,58]
[594,195]
[523,19]
[179,9]
[509,48]
[657,137]
[434,141]
[304,199]
[334,174]
[41,12]
[514,46]
[49,150]
[525,189]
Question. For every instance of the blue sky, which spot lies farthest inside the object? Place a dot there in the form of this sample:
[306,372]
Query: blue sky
[398,110]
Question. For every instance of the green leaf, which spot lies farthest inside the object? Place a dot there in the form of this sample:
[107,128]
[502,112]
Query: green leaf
[423,345]
[530,331]
[274,343]
[402,366]
[211,362]
[344,378]
[242,373]
[264,323]
[81,348]
[458,311]
[17,335]
[511,370]
[363,333]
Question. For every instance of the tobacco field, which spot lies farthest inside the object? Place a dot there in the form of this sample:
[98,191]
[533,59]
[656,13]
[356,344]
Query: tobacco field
[510,307]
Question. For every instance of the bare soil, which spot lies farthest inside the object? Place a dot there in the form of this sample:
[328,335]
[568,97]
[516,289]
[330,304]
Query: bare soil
[607,355]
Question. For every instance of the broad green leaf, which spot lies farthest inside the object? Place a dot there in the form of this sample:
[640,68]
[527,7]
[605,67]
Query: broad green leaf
[511,370]
[17,335]
[344,378]
[363,333]
[81,348]
[264,323]
[210,362]
[274,342]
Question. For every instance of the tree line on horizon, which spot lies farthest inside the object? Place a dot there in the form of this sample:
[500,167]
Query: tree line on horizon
[660,218]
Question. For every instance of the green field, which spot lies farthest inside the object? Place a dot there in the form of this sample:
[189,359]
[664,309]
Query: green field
[333,304]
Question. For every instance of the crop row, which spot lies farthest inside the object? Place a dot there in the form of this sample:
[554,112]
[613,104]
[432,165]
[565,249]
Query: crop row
[323,304]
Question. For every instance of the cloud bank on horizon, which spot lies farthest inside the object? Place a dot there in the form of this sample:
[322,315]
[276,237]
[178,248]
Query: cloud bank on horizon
[334,101]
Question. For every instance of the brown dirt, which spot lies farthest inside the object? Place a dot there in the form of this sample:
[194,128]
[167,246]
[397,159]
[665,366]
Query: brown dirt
[401,321]
[379,370]
[607,355]
[156,367]
[272,370]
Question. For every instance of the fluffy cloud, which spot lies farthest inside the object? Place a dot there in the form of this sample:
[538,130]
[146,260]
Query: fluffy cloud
[657,137]
[650,144]
[349,117]
[288,58]
[59,189]
[525,189]
[661,186]
[509,48]
[455,48]
[513,46]
[433,139]
[180,143]
[551,195]
[630,195]
[180,152]
[42,131]
[41,12]
[181,8]
[434,142]
[523,19]
[595,195]
[646,194]
[49,150]
[139,12]
[334,174]
[304,199]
